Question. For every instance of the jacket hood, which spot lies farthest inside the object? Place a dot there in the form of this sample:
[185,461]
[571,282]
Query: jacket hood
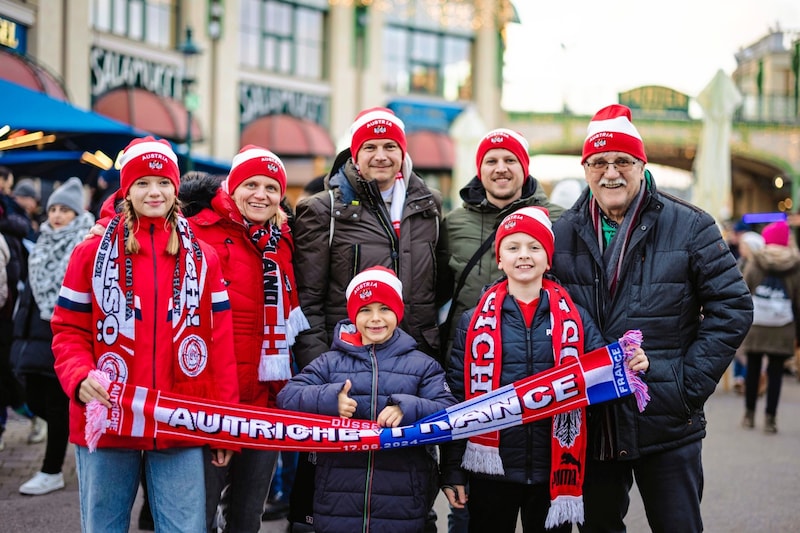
[474,193]
[776,258]
[197,191]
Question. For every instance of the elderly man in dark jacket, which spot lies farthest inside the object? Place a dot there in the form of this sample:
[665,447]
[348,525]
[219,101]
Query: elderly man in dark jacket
[639,259]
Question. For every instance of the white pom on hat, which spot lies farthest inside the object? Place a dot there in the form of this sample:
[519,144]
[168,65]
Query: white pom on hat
[611,130]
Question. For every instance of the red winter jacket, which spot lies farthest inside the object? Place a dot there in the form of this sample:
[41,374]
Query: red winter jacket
[76,351]
[221,226]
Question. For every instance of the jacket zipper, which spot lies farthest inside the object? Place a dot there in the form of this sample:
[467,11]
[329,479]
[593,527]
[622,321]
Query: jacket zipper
[155,304]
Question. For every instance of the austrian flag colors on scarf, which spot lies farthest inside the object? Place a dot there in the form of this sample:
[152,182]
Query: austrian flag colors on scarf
[600,376]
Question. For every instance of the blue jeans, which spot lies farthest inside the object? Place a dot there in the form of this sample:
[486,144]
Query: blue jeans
[248,477]
[108,480]
[670,484]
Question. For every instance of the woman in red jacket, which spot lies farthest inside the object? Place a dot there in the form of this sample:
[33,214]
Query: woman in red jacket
[146,304]
[241,217]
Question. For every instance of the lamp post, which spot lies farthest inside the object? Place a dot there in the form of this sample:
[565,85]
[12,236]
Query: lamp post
[190,52]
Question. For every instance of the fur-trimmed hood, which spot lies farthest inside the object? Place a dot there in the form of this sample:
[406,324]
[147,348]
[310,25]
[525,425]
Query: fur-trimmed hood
[196,192]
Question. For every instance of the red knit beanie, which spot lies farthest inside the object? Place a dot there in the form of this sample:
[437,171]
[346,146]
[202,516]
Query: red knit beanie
[533,221]
[252,161]
[776,233]
[374,284]
[148,157]
[503,138]
[376,123]
[611,130]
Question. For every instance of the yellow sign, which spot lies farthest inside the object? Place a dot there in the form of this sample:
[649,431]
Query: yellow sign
[8,33]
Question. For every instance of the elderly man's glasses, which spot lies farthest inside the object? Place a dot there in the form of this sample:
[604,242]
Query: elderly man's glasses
[601,165]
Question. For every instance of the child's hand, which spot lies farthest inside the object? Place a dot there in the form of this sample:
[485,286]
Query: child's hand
[347,405]
[390,417]
[639,362]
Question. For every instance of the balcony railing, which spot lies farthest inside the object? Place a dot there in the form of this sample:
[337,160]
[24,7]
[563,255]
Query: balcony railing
[770,109]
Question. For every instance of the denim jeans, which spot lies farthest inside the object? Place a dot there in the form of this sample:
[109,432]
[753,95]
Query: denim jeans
[670,484]
[248,477]
[108,480]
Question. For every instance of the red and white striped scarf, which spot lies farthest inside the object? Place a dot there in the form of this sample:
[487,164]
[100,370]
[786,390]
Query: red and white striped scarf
[482,368]
[283,317]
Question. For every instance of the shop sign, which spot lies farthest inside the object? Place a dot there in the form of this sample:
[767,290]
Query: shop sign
[257,101]
[13,35]
[112,70]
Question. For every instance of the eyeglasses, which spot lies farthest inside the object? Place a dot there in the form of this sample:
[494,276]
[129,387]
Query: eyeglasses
[601,165]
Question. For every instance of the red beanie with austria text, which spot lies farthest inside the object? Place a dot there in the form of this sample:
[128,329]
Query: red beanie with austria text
[376,123]
[504,138]
[531,220]
[148,156]
[252,161]
[611,130]
[375,284]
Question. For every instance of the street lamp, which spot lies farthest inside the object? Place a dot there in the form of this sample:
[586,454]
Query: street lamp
[190,52]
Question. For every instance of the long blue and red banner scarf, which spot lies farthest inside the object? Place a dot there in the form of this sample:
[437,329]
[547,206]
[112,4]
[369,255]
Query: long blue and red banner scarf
[599,376]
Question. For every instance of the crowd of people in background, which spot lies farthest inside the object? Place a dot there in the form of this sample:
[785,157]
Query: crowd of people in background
[365,300]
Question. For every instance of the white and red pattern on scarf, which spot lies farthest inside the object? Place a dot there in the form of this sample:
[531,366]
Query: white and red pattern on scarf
[283,317]
[115,302]
[482,369]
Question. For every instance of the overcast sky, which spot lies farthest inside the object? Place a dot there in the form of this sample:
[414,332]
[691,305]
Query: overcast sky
[584,53]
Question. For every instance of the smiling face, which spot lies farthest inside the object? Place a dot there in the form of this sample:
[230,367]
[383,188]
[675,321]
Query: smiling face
[502,176]
[376,322]
[152,196]
[523,259]
[59,215]
[614,188]
[380,160]
[258,198]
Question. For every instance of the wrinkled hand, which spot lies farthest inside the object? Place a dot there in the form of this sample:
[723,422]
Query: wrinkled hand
[456,495]
[390,416]
[639,361]
[90,390]
[347,405]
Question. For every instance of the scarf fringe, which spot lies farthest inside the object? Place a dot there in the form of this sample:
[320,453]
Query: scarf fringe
[564,509]
[96,413]
[630,341]
[274,367]
[482,459]
[295,324]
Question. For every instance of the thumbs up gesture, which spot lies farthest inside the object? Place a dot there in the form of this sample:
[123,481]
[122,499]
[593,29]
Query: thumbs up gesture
[347,405]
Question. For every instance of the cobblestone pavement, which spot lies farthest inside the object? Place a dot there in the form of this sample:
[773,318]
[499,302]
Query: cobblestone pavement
[750,477]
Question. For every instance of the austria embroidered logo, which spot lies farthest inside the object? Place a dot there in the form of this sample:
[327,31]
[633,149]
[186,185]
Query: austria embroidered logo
[272,167]
[366,294]
[511,224]
[379,130]
[192,355]
[155,165]
[113,366]
[599,143]
[497,139]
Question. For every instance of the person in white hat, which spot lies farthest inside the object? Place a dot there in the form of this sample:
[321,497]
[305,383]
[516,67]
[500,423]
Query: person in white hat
[636,258]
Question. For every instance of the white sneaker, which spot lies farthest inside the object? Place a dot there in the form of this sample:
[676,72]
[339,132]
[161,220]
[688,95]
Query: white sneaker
[38,430]
[42,483]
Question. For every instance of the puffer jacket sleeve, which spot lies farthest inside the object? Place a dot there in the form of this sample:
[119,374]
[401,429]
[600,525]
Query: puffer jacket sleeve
[727,310]
[432,396]
[310,390]
[312,262]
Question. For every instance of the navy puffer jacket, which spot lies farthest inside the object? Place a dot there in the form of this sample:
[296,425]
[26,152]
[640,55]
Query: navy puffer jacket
[680,286]
[524,450]
[380,491]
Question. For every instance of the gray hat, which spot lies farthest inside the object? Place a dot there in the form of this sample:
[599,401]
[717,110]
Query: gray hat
[70,194]
[26,187]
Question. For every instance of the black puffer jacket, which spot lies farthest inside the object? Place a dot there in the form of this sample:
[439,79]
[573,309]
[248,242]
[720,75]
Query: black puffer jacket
[524,450]
[30,350]
[387,491]
[680,286]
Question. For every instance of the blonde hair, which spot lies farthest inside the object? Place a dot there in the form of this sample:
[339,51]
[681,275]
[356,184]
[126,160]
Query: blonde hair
[132,245]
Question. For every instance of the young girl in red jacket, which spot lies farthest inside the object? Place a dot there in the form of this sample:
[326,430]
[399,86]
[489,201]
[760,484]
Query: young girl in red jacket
[145,303]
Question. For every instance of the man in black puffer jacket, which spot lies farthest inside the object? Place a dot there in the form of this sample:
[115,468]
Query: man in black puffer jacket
[639,259]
